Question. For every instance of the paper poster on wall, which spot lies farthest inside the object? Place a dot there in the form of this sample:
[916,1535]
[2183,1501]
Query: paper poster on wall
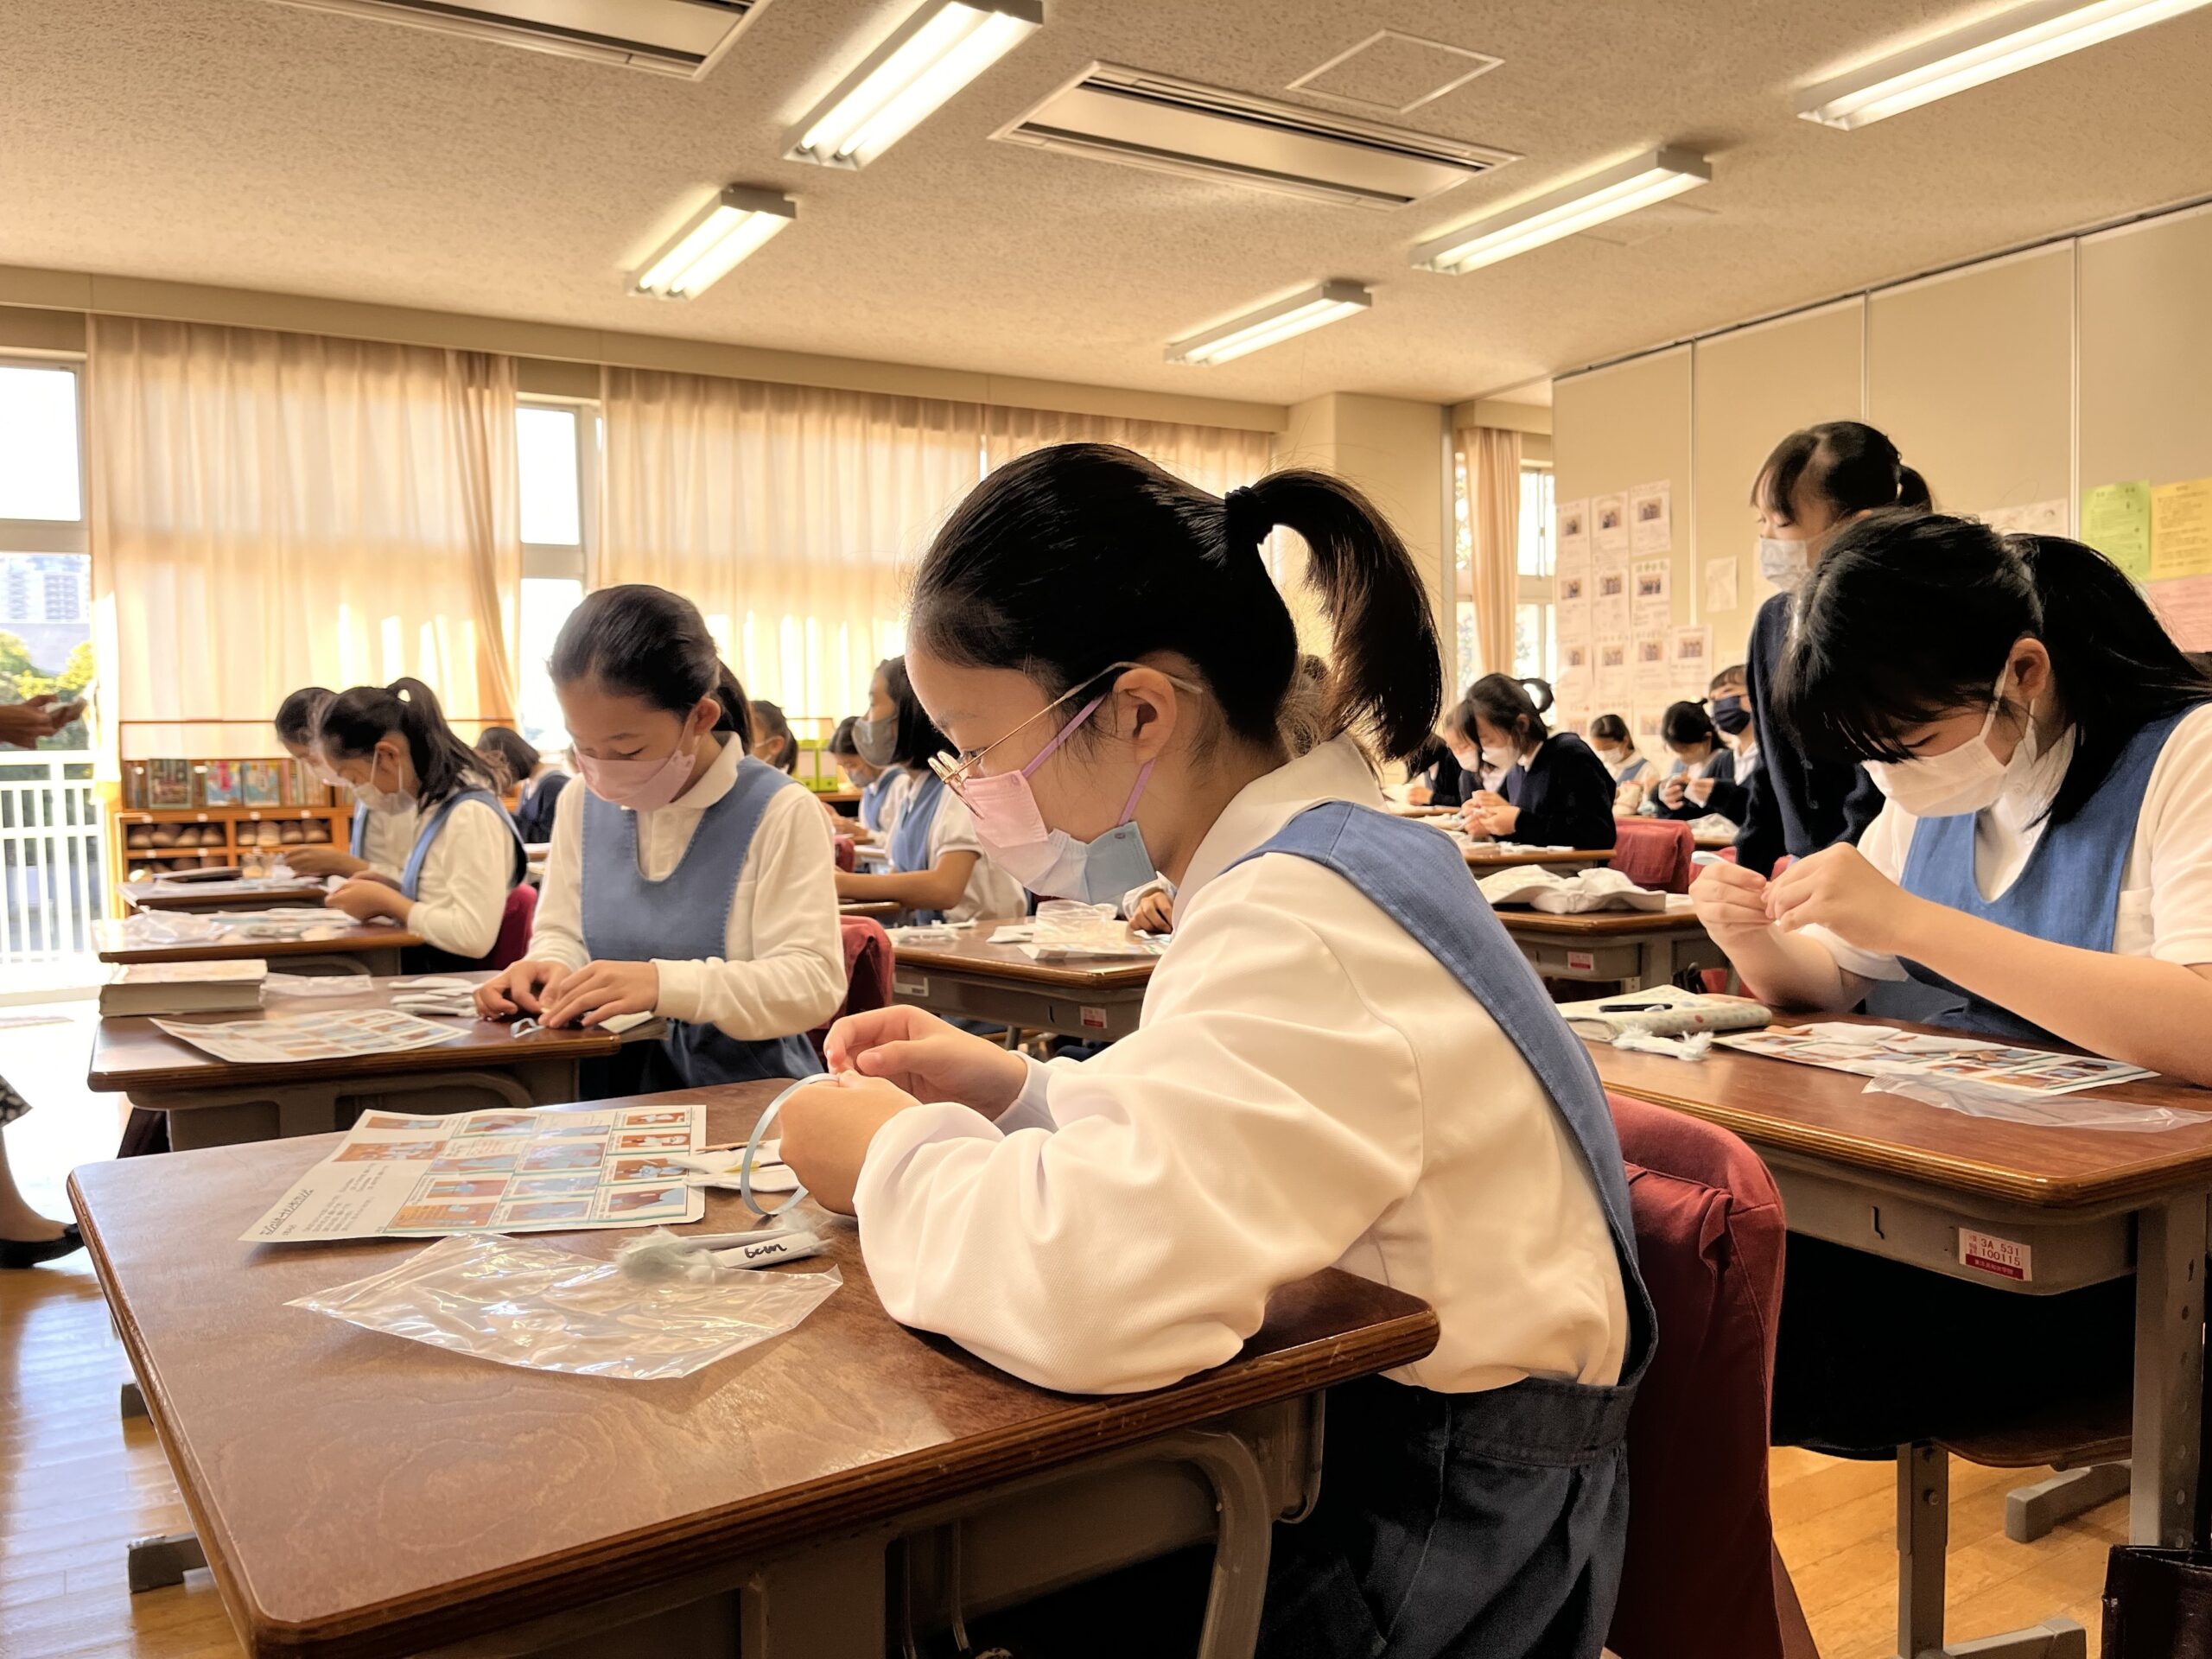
[2185,607]
[1650,674]
[1574,624]
[1571,586]
[2116,521]
[1612,681]
[1651,588]
[1609,604]
[1571,535]
[1652,518]
[1721,584]
[2035,518]
[1609,525]
[1689,655]
[2181,530]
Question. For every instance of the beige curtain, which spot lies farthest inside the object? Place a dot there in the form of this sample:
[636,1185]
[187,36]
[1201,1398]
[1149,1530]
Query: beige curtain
[270,511]
[1491,575]
[791,515]
[1217,459]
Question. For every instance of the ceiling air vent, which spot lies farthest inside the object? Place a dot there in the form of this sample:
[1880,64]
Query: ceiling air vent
[1174,126]
[675,37]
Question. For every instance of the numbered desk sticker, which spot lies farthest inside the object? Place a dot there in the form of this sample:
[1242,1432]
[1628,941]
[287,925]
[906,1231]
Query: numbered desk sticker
[2003,1257]
[910,984]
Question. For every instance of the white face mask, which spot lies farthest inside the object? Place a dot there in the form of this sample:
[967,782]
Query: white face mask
[382,800]
[1969,778]
[1786,565]
[1498,758]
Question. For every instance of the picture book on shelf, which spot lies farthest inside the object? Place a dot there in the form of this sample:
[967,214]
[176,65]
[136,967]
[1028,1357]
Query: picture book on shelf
[219,783]
[168,784]
[261,783]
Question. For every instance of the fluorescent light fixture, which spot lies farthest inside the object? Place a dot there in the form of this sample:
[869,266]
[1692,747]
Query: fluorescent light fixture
[1564,211]
[2010,41]
[1272,324]
[942,46]
[731,225]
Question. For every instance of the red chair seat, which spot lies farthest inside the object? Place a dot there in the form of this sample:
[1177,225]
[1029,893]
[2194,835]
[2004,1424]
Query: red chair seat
[1655,853]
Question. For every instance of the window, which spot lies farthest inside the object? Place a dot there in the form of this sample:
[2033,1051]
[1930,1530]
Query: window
[1536,626]
[46,634]
[556,456]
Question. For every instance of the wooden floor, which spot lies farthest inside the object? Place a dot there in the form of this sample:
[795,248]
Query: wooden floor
[76,1483]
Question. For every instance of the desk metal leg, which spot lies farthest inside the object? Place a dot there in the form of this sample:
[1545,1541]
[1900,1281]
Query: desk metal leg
[2031,1511]
[129,1402]
[2169,1370]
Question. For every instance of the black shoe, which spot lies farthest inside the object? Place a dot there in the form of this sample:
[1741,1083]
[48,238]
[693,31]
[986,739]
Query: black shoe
[29,1253]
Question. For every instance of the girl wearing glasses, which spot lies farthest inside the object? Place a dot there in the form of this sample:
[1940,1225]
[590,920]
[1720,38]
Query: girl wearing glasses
[939,870]
[1342,1059]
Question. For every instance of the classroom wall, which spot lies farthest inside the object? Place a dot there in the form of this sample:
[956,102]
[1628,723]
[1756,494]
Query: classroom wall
[2017,385]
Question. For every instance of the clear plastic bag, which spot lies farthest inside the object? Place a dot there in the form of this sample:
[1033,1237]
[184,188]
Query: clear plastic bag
[524,1304]
[2048,1112]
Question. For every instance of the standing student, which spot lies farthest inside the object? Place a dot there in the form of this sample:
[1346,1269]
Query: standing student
[538,781]
[2043,862]
[1815,482]
[687,879]
[380,841]
[938,868]
[1554,791]
[1614,745]
[392,743]
[1703,777]
[1295,1095]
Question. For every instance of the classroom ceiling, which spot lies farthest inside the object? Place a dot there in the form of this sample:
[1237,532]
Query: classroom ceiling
[261,145]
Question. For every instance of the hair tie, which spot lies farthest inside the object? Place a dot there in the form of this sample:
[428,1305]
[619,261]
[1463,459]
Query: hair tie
[1245,522]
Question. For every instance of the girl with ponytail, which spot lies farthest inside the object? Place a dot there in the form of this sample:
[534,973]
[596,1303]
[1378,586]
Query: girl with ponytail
[686,879]
[1552,791]
[1105,649]
[2041,870]
[1814,482]
[392,743]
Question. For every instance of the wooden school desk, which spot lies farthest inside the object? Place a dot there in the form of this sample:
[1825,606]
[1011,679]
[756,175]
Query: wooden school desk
[1713,843]
[977,980]
[354,947]
[361,1495]
[535,853]
[1487,858]
[1639,948]
[1900,1180]
[203,896]
[876,910]
[213,1102]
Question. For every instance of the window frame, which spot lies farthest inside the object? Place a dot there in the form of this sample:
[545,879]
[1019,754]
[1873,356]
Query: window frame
[1540,590]
[55,535]
[577,561]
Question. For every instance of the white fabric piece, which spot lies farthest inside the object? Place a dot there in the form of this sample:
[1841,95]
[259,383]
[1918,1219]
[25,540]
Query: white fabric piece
[1568,895]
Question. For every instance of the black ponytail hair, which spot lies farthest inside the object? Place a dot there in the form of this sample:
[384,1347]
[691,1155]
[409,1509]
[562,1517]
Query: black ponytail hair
[300,715]
[357,720]
[1515,707]
[1913,616]
[1848,465]
[1688,724]
[918,737]
[1612,728]
[514,756]
[768,721]
[646,642]
[1079,556]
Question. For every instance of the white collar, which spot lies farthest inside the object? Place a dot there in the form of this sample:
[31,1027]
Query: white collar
[1335,770]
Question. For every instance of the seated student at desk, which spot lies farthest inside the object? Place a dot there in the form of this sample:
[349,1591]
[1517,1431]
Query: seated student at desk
[1703,777]
[1554,791]
[392,743]
[775,744]
[380,841]
[1296,1095]
[537,781]
[686,879]
[2044,859]
[875,783]
[1614,745]
[938,868]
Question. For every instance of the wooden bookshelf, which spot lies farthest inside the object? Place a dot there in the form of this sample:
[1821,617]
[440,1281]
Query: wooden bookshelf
[221,834]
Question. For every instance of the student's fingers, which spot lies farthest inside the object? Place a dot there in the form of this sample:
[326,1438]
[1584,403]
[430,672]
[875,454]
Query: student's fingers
[856,1033]
[580,990]
[530,989]
[492,1000]
[615,1008]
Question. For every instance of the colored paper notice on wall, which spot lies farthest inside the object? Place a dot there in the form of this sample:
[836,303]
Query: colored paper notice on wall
[2116,521]
[2185,607]
[2181,530]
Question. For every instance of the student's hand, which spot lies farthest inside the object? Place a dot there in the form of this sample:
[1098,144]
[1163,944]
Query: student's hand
[1501,820]
[824,1132]
[1838,889]
[928,1059]
[1670,792]
[520,988]
[1731,901]
[847,892]
[323,860]
[1155,912]
[1700,790]
[22,724]
[1487,800]
[364,900]
[1627,798]
[600,990]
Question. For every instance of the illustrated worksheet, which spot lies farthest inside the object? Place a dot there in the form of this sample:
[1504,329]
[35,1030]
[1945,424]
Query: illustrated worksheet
[398,1176]
[1884,1052]
[336,1035]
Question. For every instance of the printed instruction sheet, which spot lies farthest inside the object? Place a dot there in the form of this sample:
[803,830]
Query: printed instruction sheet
[1885,1051]
[398,1176]
[335,1034]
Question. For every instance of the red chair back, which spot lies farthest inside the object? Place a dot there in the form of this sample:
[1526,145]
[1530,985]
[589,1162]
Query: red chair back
[1655,853]
[841,847]
[513,942]
[1697,1579]
[867,973]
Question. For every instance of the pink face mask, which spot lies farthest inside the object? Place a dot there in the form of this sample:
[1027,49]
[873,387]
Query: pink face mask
[640,785]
